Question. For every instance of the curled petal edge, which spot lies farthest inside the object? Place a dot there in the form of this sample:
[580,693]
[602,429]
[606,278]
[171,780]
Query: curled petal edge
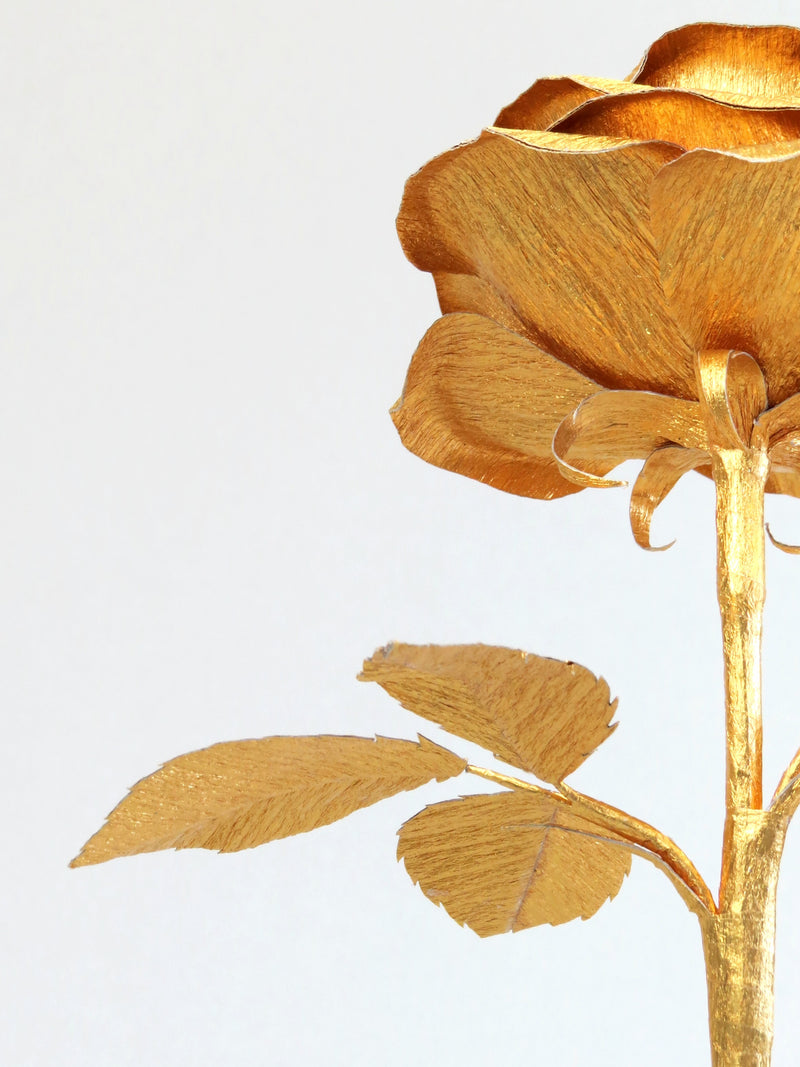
[615,425]
[563,439]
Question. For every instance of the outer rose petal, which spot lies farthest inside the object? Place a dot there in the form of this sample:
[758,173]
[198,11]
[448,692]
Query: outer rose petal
[761,61]
[688,119]
[728,232]
[547,100]
[482,401]
[563,236]
[465,292]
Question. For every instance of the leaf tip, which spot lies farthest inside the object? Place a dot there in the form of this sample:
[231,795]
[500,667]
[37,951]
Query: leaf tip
[83,859]
[370,666]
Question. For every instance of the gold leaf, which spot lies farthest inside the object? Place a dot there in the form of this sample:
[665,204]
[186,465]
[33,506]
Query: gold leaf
[756,61]
[559,227]
[485,402]
[509,861]
[239,794]
[685,118]
[718,218]
[543,715]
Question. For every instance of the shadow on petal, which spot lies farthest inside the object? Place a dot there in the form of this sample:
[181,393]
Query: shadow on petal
[483,401]
[682,117]
[758,61]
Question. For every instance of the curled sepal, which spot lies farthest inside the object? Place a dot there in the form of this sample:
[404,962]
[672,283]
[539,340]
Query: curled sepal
[661,472]
[614,425]
[543,715]
[239,794]
[509,861]
[792,550]
[733,394]
[779,424]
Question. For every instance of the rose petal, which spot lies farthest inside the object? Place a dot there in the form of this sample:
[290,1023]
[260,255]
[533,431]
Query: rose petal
[465,292]
[754,60]
[688,119]
[728,233]
[484,402]
[563,236]
[547,100]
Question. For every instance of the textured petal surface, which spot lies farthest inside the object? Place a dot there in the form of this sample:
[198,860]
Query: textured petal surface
[616,425]
[240,794]
[510,861]
[547,101]
[484,402]
[728,233]
[686,118]
[466,292]
[758,61]
[544,715]
[733,395]
[563,236]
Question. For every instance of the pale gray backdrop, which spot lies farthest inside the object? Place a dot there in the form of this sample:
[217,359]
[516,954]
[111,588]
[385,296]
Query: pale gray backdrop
[208,522]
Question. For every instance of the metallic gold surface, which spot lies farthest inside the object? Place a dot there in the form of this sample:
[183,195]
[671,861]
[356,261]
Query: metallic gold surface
[697,122]
[542,715]
[739,942]
[740,476]
[239,794]
[722,224]
[509,861]
[606,295]
[639,833]
[757,61]
[660,473]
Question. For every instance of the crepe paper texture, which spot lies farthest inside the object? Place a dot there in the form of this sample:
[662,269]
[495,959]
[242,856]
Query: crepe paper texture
[617,264]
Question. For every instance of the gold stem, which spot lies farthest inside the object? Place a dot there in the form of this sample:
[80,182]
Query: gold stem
[739,941]
[506,780]
[647,837]
[740,476]
[626,830]
[739,945]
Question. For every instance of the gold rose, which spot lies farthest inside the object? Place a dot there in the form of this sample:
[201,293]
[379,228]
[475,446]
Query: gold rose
[617,264]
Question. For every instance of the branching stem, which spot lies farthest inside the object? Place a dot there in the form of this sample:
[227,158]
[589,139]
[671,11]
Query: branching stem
[643,838]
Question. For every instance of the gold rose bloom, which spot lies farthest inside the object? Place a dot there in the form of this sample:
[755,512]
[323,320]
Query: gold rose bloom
[618,264]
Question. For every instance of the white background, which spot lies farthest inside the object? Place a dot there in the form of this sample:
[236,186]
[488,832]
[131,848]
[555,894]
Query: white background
[208,522]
